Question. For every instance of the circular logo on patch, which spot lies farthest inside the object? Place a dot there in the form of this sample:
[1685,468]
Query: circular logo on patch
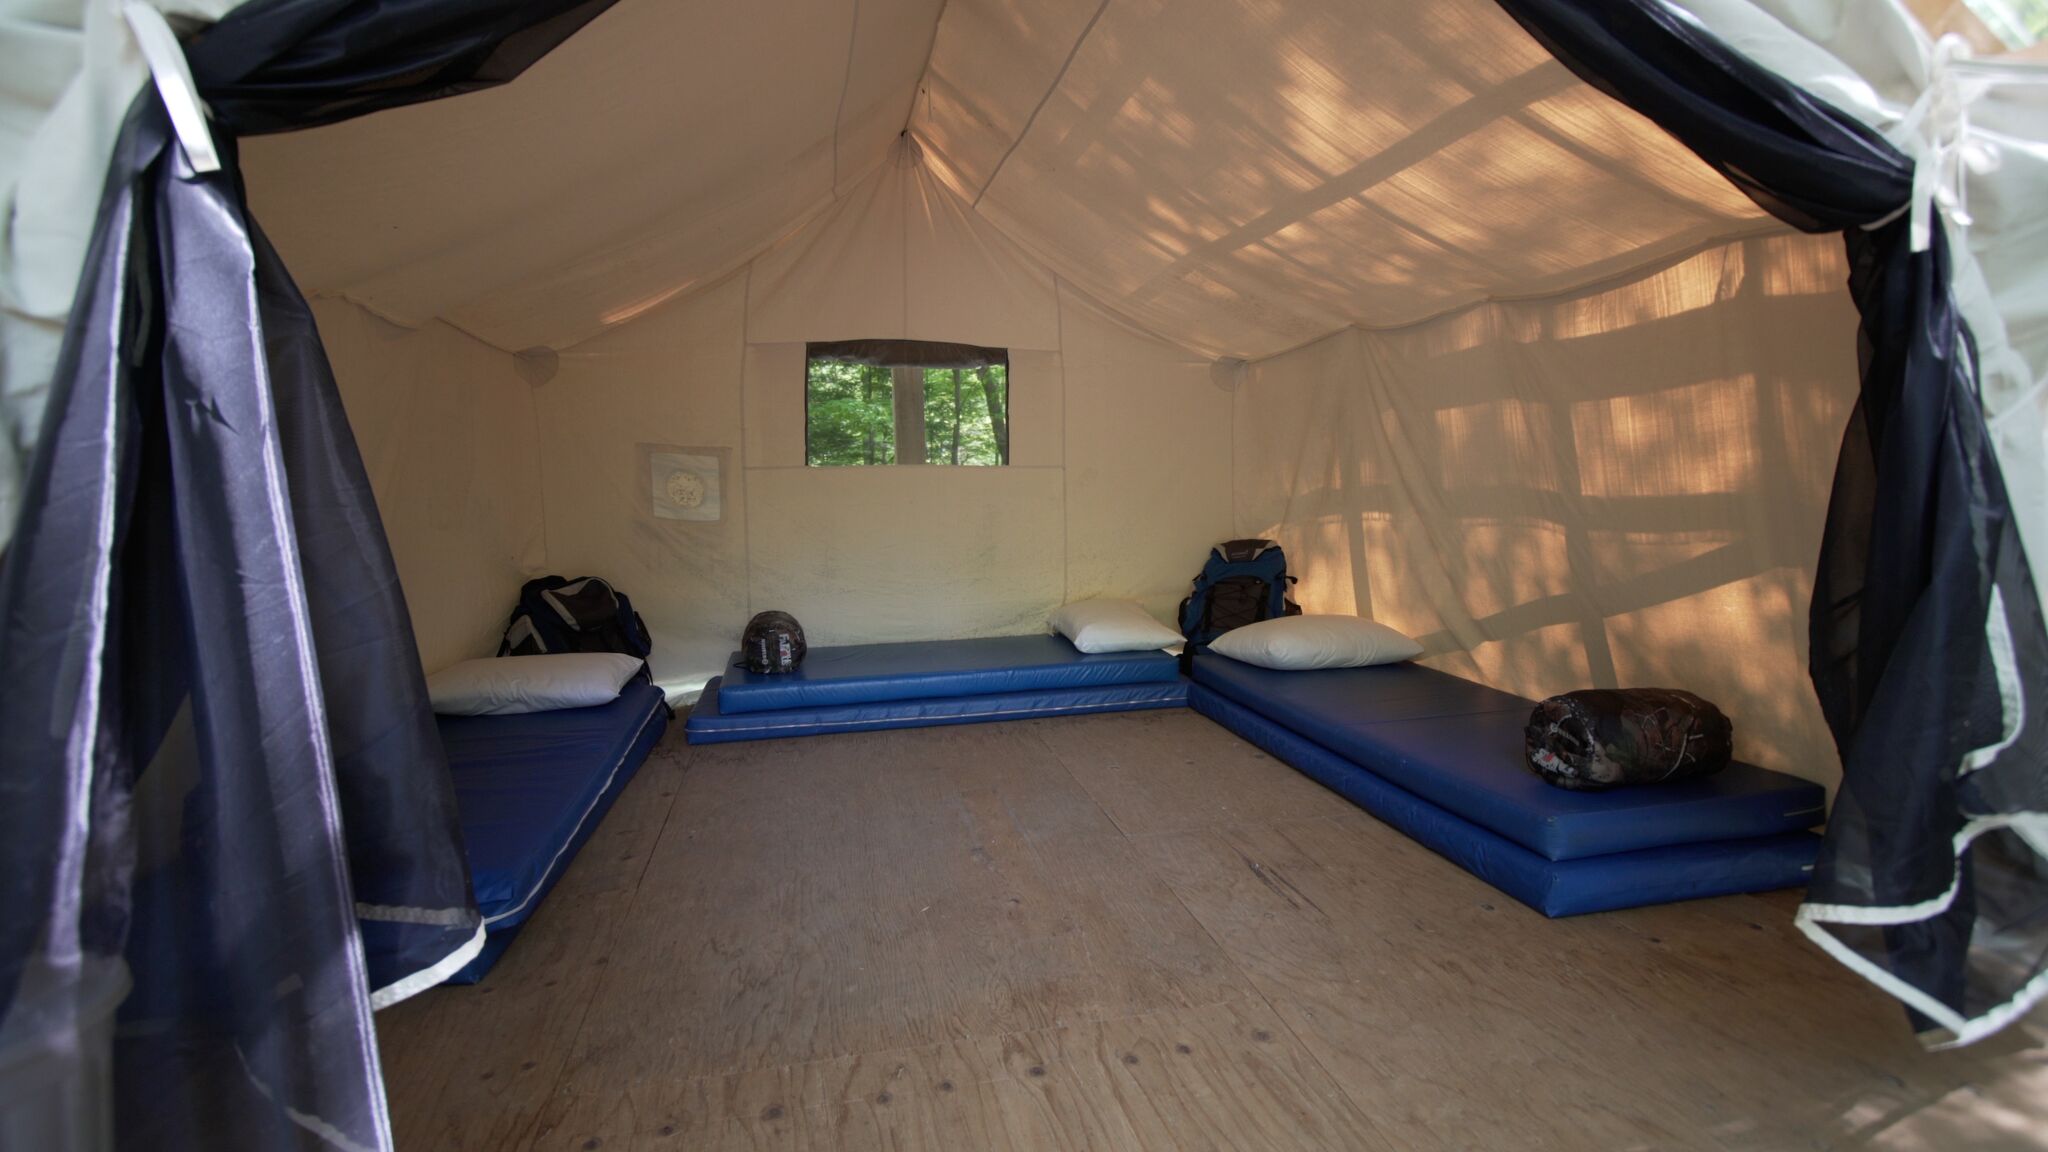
[685,489]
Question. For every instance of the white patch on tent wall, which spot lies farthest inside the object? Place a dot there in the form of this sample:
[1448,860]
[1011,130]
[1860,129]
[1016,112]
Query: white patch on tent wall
[684,485]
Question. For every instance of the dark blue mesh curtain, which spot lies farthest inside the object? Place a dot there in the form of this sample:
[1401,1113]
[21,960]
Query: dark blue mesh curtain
[223,803]
[1928,648]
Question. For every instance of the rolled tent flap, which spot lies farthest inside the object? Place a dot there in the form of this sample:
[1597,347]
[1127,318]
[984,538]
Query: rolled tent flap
[220,781]
[284,65]
[1928,652]
[1928,649]
[915,353]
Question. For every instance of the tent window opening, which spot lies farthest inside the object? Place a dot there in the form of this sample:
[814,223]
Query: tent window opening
[2019,23]
[870,402]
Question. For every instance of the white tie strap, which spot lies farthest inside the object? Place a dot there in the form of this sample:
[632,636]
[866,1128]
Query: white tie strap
[173,83]
[1935,133]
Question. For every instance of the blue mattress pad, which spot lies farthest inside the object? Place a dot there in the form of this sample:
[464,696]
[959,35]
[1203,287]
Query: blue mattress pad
[710,724]
[1459,745]
[874,673]
[1658,875]
[531,787]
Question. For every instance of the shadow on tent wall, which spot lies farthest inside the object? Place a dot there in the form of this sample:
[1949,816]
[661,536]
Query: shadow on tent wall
[1369,164]
[1624,485]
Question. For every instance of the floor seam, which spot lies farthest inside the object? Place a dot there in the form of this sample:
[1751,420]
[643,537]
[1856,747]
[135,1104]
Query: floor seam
[533,1132]
[1249,986]
[1243,976]
[1080,783]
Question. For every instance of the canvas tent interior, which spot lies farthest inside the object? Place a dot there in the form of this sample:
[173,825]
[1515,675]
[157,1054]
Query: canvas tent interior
[1498,359]
[1501,362]
[1525,376]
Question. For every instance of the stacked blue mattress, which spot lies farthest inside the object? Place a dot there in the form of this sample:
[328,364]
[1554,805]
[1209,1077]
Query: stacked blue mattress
[861,687]
[1441,759]
[531,788]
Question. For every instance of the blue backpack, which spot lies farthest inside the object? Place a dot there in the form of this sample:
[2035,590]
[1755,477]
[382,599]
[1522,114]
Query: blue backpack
[1243,582]
[582,615]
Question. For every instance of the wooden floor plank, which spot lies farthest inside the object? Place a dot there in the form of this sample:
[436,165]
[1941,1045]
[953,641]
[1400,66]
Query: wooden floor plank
[747,1112]
[1461,1019]
[1225,1076]
[469,1067]
[1144,951]
[1165,771]
[914,905]
[1137,932]
[708,952]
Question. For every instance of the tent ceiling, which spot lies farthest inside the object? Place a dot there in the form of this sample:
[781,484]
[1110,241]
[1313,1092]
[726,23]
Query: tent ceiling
[1240,177]
[1250,176]
[655,150]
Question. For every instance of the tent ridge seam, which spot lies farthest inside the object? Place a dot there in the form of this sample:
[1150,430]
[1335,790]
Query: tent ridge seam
[347,297]
[845,83]
[1044,99]
[924,74]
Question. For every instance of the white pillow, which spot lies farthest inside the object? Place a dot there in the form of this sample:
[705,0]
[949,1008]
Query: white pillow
[506,685]
[1301,643]
[1111,626]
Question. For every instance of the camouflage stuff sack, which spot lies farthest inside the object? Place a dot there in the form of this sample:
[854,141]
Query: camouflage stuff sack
[1606,737]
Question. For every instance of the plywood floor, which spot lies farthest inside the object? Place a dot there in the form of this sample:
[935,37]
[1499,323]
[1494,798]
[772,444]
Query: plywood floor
[1136,931]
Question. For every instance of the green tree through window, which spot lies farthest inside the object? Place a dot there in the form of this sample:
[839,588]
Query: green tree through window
[856,414]
[2020,23]
[849,412]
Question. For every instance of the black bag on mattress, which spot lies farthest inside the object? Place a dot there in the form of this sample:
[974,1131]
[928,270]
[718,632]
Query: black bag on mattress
[1606,737]
[586,614]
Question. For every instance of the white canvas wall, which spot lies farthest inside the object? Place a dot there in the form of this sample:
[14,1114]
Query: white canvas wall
[1624,485]
[1621,485]
[670,379]
[1619,481]
[1119,474]
[445,425]
[1148,461]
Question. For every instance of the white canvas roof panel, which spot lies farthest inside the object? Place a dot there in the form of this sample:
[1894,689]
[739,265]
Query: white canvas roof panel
[1368,165]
